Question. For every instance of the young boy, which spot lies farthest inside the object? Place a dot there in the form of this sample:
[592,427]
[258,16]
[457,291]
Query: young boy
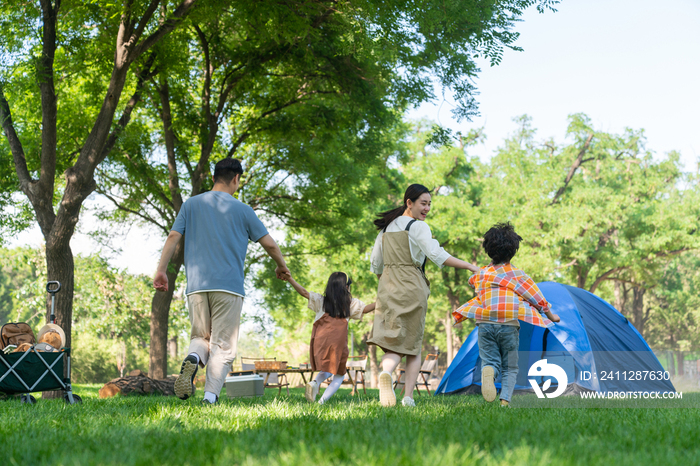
[504,294]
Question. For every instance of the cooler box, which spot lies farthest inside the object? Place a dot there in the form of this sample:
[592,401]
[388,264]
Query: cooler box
[245,386]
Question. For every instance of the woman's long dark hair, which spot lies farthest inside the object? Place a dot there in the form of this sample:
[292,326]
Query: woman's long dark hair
[337,296]
[413,192]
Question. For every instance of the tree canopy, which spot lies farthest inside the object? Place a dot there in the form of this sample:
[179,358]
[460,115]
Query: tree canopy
[305,92]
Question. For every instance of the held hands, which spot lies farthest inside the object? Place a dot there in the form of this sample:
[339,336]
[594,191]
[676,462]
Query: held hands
[553,317]
[473,268]
[160,281]
[283,273]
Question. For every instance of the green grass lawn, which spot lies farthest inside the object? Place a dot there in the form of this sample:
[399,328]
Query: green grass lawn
[287,430]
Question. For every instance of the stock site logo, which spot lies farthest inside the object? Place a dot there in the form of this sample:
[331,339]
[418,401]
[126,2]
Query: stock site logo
[543,369]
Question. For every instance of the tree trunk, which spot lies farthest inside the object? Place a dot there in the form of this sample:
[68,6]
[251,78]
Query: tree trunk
[121,359]
[638,308]
[681,363]
[160,305]
[582,277]
[374,366]
[172,347]
[160,311]
[60,267]
[620,296]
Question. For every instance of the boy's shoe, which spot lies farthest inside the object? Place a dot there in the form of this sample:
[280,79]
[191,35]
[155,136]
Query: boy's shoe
[408,402]
[387,397]
[505,404]
[488,387]
[311,391]
[184,385]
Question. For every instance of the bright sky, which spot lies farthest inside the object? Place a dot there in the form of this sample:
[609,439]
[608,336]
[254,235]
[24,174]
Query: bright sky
[625,63]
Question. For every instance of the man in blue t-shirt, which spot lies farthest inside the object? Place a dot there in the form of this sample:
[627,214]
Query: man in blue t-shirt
[217,228]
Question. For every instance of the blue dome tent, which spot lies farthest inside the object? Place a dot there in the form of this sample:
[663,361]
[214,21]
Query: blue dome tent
[598,348]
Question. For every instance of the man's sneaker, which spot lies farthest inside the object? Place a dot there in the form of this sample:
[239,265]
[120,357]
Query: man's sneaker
[488,387]
[505,404]
[321,401]
[206,402]
[408,402]
[184,385]
[311,391]
[387,397]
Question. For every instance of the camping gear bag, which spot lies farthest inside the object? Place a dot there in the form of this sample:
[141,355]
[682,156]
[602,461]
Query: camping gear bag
[16,333]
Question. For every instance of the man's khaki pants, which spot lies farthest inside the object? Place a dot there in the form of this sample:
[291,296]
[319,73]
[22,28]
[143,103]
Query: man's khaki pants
[215,317]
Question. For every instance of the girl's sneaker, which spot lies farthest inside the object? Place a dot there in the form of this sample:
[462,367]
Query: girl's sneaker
[311,391]
[408,402]
[387,397]
[488,387]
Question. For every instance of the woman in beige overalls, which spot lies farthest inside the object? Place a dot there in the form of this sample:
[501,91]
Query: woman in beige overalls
[400,252]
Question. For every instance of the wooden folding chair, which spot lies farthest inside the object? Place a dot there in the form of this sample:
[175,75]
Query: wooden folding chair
[274,380]
[355,374]
[356,366]
[426,370]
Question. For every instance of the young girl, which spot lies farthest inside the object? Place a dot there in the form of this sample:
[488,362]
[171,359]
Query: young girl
[329,337]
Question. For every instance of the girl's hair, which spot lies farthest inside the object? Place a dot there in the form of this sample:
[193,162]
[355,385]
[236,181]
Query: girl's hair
[337,296]
[501,243]
[413,192]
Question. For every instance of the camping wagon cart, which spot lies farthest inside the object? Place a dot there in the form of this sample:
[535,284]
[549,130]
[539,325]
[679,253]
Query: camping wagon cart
[36,371]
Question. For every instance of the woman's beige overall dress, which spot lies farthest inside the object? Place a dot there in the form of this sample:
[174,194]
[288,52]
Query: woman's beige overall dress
[402,299]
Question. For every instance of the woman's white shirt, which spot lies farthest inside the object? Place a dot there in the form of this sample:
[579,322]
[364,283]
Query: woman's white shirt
[420,241]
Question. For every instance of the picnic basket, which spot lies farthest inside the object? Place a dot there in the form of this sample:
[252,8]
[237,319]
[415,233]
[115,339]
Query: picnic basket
[270,365]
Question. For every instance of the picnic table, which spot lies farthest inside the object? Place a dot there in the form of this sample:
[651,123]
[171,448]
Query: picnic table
[297,370]
[289,370]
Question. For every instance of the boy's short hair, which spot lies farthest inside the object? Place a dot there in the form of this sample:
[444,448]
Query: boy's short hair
[226,170]
[501,243]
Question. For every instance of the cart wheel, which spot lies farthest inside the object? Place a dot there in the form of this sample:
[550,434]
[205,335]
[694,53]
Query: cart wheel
[76,399]
[28,399]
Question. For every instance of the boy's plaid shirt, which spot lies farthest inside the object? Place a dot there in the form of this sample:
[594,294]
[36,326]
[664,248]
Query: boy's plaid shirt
[504,293]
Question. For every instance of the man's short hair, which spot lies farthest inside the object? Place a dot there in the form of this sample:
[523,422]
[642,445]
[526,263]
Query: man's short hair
[226,170]
[501,243]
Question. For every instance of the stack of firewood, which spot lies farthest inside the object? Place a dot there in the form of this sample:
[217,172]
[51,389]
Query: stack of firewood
[138,383]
